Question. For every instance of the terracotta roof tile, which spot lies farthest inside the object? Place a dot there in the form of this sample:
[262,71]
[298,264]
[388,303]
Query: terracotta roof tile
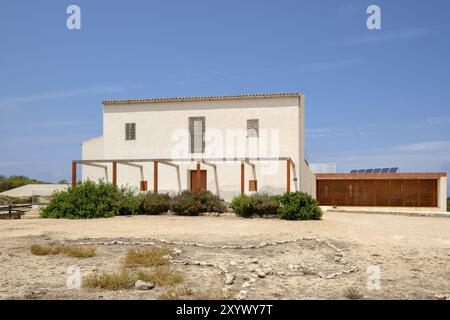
[199,98]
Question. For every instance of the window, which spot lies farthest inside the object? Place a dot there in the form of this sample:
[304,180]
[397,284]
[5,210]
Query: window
[130,131]
[253,128]
[197,134]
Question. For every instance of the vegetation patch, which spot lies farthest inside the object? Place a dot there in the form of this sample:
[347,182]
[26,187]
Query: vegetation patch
[91,200]
[298,206]
[12,182]
[352,293]
[155,203]
[6,200]
[187,293]
[124,279]
[189,203]
[255,205]
[71,251]
[147,257]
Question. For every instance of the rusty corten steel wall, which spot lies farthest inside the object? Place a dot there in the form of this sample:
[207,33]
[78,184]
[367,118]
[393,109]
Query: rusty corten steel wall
[378,192]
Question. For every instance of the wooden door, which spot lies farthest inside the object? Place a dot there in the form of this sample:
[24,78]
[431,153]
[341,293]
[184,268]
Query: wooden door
[194,180]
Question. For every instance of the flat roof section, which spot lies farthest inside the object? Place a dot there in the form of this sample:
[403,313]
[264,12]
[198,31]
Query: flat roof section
[372,176]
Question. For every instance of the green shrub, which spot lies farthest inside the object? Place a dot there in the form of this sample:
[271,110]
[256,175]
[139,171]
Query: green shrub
[448,204]
[298,206]
[259,204]
[264,204]
[154,203]
[5,200]
[8,183]
[91,200]
[188,203]
[242,205]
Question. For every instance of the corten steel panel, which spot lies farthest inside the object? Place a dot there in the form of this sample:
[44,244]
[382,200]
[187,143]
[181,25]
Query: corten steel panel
[324,192]
[396,193]
[411,193]
[367,196]
[382,193]
[353,192]
[340,192]
[428,193]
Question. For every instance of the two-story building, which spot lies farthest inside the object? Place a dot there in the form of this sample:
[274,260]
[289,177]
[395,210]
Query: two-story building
[224,144]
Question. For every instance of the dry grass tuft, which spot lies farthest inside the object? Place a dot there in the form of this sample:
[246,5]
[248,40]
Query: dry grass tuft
[187,293]
[162,276]
[352,293]
[109,280]
[147,257]
[124,279]
[72,251]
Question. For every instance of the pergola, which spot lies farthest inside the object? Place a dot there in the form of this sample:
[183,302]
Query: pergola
[139,163]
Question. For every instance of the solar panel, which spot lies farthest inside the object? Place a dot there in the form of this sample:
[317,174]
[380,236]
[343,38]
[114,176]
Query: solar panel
[369,171]
[354,171]
[361,170]
[378,170]
[393,170]
[385,170]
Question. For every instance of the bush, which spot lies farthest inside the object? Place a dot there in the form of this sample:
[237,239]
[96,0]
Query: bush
[255,204]
[154,203]
[448,204]
[91,200]
[191,204]
[6,200]
[298,206]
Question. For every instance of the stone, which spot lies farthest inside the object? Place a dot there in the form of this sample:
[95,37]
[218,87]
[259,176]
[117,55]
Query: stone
[443,296]
[241,295]
[267,270]
[141,285]
[260,273]
[254,260]
[177,251]
[232,263]
[246,284]
[229,279]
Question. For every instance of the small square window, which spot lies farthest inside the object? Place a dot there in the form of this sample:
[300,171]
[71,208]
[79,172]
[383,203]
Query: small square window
[253,128]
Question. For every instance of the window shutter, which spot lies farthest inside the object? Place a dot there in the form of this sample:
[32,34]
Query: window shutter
[253,128]
[133,131]
[197,130]
[127,131]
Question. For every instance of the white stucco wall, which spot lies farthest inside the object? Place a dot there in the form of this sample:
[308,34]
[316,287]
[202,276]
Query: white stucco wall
[442,191]
[162,126]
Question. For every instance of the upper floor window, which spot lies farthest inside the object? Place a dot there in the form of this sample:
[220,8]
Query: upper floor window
[197,134]
[253,128]
[130,131]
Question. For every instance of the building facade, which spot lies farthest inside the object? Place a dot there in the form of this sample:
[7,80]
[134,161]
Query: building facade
[224,144]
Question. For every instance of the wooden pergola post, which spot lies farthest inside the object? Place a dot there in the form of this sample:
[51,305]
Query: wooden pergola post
[74,174]
[198,177]
[114,174]
[242,177]
[155,176]
[288,175]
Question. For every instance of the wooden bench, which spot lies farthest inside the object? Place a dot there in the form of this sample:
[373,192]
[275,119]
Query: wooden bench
[13,211]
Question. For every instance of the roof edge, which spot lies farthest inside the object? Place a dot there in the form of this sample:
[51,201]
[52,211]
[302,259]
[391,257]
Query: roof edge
[203,98]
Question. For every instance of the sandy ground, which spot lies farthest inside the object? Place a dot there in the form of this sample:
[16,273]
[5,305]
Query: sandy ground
[320,260]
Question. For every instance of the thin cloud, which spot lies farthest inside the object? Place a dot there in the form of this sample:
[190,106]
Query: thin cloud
[384,35]
[425,146]
[333,132]
[331,65]
[14,103]
[436,121]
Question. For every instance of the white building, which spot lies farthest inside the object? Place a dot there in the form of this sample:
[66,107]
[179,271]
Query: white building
[230,144]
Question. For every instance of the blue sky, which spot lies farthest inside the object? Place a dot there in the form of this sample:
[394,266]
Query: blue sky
[374,98]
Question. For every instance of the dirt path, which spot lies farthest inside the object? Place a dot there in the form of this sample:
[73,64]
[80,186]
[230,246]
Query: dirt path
[412,254]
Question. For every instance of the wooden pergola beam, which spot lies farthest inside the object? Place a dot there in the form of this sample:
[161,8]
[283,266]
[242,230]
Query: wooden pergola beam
[242,177]
[288,175]
[74,174]
[114,173]
[155,176]
[198,177]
